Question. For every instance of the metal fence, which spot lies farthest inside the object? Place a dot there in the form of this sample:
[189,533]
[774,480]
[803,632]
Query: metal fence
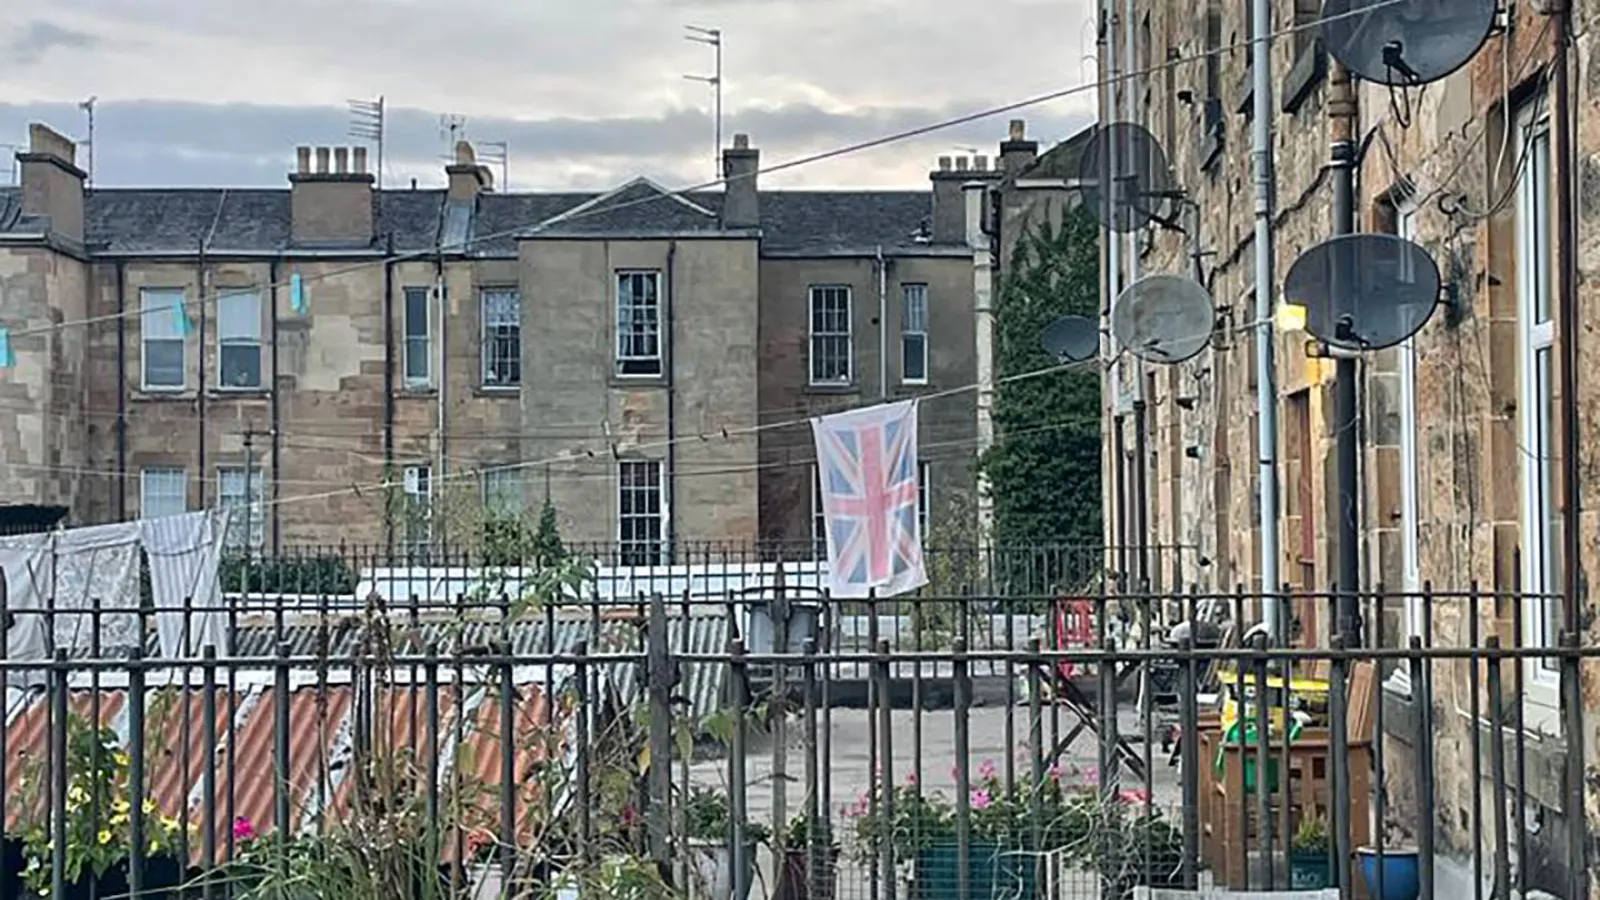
[569,744]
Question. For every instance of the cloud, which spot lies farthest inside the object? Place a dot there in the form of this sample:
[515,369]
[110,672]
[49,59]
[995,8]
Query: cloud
[36,39]
[159,142]
[587,94]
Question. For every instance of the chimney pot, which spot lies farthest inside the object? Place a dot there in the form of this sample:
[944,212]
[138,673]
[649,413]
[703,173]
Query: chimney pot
[961,164]
[465,155]
[341,160]
[322,160]
[358,160]
[1019,129]
[741,142]
[944,163]
[303,160]
[981,163]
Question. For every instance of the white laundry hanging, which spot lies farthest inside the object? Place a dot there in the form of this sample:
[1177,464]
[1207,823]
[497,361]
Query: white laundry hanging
[183,552]
[24,567]
[94,566]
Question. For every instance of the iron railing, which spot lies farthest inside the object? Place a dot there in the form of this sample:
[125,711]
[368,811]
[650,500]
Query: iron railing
[641,747]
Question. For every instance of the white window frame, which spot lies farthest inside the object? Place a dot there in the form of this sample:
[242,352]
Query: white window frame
[817,338]
[417,489]
[416,349]
[248,487]
[500,485]
[1410,498]
[627,547]
[495,329]
[159,312]
[156,484]
[638,349]
[924,499]
[819,519]
[1536,370]
[248,338]
[913,331]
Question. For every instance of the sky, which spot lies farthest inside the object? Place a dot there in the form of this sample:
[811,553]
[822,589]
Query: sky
[587,95]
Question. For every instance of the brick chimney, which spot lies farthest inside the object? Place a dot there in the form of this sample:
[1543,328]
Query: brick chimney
[467,177]
[331,205]
[52,183]
[741,201]
[1017,152]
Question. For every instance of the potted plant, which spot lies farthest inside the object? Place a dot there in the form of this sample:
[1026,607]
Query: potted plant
[795,882]
[1308,855]
[99,825]
[710,836]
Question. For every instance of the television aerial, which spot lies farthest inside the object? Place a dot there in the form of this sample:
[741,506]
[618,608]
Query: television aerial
[1163,318]
[1405,43]
[1072,339]
[1364,291]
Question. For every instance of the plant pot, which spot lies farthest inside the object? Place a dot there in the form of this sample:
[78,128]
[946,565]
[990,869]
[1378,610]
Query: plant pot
[1310,870]
[794,882]
[992,872]
[711,873]
[1402,876]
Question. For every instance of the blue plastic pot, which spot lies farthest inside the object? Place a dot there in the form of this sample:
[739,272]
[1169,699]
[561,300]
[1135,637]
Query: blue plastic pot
[1401,873]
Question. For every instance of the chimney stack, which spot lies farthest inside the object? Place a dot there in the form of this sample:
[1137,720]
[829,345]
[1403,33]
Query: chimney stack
[467,177]
[1017,152]
[741,200]
[331,206]
[52,183]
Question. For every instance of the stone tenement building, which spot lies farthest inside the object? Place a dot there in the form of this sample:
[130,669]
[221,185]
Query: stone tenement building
[329,333]
[1460,454]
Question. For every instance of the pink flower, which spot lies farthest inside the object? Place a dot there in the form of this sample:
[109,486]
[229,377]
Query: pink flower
[1054,772]
[911,778]
[629,817]
[981,799]
[244,829]
[1134,795]
[986,771]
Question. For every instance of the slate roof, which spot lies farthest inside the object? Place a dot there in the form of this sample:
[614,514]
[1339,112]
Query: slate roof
[257,220]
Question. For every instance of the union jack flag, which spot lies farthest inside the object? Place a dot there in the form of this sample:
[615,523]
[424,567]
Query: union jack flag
[867,468]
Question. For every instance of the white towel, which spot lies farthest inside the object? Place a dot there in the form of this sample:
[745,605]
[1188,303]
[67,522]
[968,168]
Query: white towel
[98,563]
[24,564]
[183,553]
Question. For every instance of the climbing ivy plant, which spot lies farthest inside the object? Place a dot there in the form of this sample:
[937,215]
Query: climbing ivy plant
[1044,468]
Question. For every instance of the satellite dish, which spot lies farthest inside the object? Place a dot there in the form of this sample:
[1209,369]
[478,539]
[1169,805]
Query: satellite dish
[1124,177]
[1072,339]
[1364,291]
[1406,42]
[1163,318]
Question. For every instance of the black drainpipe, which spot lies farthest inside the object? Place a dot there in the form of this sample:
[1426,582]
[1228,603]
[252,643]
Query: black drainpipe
[274,271]
[121,505]
[200,389]
[388,377]
[672,420]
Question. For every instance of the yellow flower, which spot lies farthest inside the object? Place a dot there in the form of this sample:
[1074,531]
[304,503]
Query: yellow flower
[105,836]
[119,819]
[149,806]
[120,758]
[169,823]
[120,805]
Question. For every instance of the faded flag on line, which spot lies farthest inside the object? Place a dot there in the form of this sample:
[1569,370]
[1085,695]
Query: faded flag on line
[867,468]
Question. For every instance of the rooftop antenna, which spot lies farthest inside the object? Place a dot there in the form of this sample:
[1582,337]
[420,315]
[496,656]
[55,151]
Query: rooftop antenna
[11,151]
[497,152]
[88,109]
[366,124]
[452,127]
[713,37]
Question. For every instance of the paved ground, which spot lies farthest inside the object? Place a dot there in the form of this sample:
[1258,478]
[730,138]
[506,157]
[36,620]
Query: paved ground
[848,767]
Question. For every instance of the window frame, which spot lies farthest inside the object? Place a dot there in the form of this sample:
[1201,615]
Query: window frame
[253,498]
[813,336]
[488,343]
[149,313]
[416,348]
[908,333]
[145,483]
[1536,370]
[643,363]
[253,341]
[495,479]
[636,552]
[416,487]
[1410,493]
